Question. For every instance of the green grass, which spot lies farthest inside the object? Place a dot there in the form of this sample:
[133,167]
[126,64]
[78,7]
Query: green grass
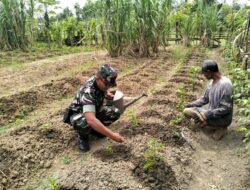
[178,52]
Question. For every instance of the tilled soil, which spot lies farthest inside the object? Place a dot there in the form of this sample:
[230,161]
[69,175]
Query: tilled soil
[44,87]
[154,116]
[46,148]
[42,140]
[159,176]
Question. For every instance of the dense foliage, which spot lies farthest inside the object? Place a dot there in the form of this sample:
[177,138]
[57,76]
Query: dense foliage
[121,26]
[241,83]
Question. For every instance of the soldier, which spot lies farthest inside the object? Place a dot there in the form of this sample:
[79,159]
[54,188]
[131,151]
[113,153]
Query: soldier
[88,115]
[218,96]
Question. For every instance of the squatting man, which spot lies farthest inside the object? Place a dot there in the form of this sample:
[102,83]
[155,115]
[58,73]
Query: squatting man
[88,115]
[218,96]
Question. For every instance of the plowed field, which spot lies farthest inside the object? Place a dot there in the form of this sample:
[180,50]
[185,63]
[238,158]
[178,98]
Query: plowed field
[37,147]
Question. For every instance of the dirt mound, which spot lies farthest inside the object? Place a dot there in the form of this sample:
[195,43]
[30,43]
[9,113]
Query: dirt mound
[186,75]
[151,113]
[114,153]
[168,102]
[159,176]
[169,135]
[186,81]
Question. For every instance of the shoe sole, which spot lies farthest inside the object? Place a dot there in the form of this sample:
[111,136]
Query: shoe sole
[193,114]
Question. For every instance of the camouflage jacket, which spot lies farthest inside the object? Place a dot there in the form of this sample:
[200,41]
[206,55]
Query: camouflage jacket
[89,97]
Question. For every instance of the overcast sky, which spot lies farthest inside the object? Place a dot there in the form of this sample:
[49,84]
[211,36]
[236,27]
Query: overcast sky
[71,3]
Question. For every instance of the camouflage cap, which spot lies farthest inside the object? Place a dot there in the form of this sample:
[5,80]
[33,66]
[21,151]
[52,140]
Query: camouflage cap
[109,74]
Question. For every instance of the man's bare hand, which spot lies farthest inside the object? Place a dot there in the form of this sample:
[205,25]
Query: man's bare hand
[118,138]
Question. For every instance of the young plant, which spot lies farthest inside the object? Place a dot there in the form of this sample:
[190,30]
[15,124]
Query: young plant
[153,153]
[67,160]
[46,128]
[109,149]
[193,73]
[181,94]
[133,117]
[175,133]
[53,183]
[176,120]
[19,121]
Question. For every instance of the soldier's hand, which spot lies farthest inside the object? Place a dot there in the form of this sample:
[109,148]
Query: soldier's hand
[118,138]
[109,95]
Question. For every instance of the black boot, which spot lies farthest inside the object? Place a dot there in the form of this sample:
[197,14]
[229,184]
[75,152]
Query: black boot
[84,143]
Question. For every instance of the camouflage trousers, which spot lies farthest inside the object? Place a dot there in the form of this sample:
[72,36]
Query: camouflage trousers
[107,115]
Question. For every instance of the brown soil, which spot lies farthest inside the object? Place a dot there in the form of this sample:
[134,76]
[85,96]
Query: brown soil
[155,176]
[114,153]
[45,147]
[22,104]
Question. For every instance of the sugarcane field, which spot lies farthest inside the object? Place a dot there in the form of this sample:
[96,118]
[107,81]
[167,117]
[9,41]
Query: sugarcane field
[124,95]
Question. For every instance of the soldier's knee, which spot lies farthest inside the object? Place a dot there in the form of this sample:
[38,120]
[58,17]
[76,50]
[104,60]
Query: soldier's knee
[79,122]
[109,114]
[117,113]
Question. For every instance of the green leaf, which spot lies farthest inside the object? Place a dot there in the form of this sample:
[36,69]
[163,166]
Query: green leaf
[148,164]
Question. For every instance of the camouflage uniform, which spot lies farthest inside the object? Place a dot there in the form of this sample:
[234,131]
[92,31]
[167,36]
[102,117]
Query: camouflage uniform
[89,98]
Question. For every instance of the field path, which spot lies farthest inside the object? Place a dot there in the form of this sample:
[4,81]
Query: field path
[219,165]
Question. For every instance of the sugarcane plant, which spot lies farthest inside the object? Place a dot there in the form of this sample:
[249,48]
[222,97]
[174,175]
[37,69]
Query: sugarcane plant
[151,19]
[116,15]
[12,25]
[139,25]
